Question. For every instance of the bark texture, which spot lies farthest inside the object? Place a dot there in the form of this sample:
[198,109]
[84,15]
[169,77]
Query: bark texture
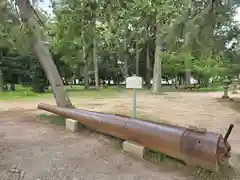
[157,71]
[28,18]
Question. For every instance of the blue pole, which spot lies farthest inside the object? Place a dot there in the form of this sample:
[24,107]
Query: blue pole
[134,104]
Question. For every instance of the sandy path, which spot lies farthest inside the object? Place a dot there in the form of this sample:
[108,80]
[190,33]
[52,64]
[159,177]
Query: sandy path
[45,152]
[200,109]
[183,109]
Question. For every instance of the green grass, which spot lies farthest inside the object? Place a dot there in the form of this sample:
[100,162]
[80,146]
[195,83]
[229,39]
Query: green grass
[52,119]
[96,93]
[159,157]
[210,89]
[225,173]
[74,91]
[78,91]
[21,93]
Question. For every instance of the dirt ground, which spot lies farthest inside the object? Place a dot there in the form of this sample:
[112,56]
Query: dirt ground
[45,151]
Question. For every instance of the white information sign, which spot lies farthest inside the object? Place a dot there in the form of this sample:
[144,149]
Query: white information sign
[134,82]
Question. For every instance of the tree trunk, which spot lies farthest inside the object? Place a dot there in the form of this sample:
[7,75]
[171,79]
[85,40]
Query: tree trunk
[43,54]
[181,80]
[187,77]
[176,82]
[187,61]
[1,75]
[125,67]
[148,75]
[85,58]
[137,59]
[125,52]
[123,57]
[206,82]
[157,73]
[1,81]
[95,64]
[12,87]
[191,11]
[86,75]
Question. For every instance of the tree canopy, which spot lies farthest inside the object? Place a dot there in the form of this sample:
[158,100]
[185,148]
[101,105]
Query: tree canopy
[110,40]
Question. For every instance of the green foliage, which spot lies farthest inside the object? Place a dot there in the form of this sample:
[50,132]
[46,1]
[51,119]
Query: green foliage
[196,37]
[172,64]
[208,67]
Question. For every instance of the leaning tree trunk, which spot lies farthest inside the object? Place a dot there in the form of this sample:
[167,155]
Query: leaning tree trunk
[43,54]
[157,71]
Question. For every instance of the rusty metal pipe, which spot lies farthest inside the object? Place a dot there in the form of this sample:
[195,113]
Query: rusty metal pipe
[191,145]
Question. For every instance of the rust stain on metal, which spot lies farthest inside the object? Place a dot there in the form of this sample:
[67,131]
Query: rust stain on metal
[194,146]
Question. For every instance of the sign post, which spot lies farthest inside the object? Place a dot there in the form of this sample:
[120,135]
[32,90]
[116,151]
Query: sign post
[134,83]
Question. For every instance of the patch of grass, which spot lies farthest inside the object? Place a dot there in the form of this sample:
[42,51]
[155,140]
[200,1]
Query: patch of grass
[22,93]
[52,119]
[225,173]
[93,93]
[233,103]
[79,91]
[204,89]
[156,156]
[210,89]
[18,95]
[196,173]
[159,157]
[74,91]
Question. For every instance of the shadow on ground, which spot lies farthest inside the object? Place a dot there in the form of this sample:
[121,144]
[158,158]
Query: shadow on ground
[233,104]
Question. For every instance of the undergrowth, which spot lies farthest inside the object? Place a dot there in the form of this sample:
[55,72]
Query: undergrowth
[225,173]
[52,119]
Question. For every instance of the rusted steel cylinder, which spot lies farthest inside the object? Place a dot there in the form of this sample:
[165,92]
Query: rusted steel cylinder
[193,146]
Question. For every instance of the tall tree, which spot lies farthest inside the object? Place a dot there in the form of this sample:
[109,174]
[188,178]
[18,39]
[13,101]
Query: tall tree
[95,61]
[27,14]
